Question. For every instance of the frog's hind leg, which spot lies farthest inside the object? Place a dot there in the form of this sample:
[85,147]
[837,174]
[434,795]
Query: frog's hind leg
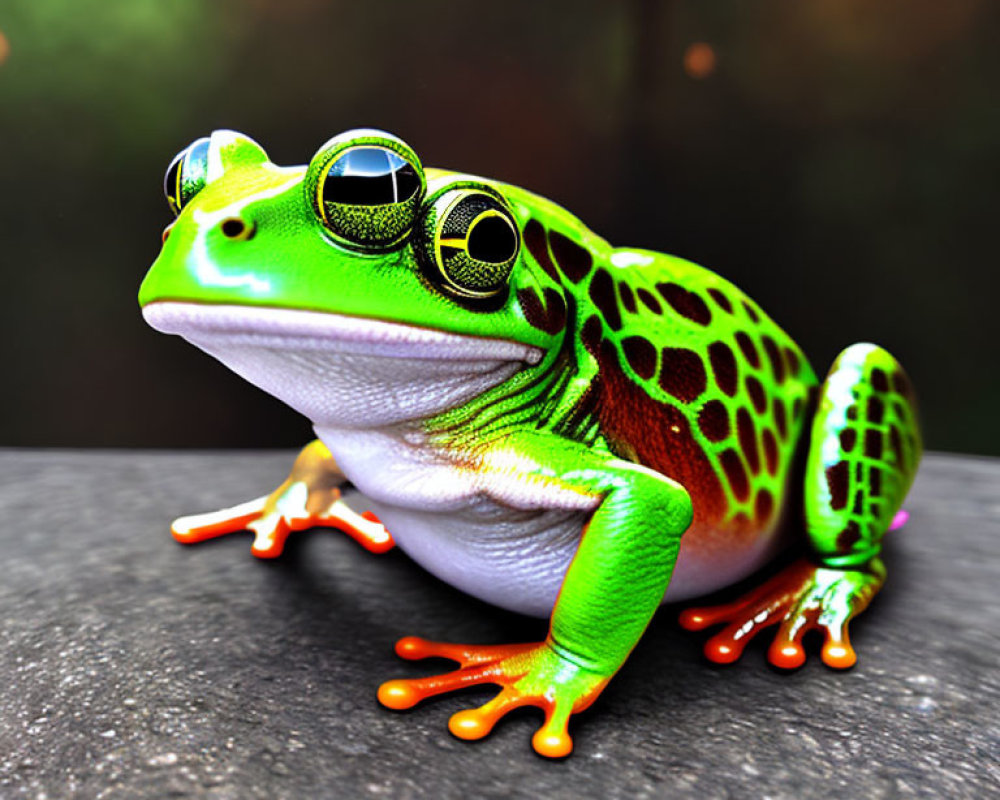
[309,497]
[863,453]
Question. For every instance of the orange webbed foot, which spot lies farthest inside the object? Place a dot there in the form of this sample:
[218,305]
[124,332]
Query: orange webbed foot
[272,518]
[800,598]
[531,674]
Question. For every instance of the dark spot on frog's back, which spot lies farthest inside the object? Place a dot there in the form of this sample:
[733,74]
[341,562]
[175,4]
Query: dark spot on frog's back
[574,260]
[749,350]
[756,392]
[735,474]
[602,294]
[537,244]
[682,373]
[641,356]
[774,356]
[751,312]
[713,420]
[721,300]
[685,303]
[723,367]
[837,482]
[628,298]
[792,361]
[649,300]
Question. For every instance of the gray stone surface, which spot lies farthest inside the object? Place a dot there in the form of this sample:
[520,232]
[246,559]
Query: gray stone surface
[134,667]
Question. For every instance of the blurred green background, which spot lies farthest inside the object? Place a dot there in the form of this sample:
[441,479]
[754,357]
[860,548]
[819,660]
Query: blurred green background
[837,159]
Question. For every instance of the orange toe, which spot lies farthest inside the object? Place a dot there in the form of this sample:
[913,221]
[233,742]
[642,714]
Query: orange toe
[552,744]
[470,724]
[787,655]
[398,695]
[839,655]
[413,648]
[722,652]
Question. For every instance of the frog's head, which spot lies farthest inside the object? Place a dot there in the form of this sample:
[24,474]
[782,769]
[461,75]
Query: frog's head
[358,277]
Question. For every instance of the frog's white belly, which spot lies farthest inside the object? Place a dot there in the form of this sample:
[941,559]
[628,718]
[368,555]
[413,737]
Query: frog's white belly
[514,552]
[508,558]
[366,384]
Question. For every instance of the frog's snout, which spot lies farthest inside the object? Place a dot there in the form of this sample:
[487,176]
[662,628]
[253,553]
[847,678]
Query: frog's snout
[237,228]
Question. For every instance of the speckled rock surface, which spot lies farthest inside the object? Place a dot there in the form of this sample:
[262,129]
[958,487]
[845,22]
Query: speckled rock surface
[133,667]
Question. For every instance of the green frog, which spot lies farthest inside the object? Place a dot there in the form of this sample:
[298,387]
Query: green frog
[554,425]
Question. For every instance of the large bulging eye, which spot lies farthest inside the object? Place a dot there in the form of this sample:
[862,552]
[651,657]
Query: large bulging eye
[186,175]
[366,189]
[470,243]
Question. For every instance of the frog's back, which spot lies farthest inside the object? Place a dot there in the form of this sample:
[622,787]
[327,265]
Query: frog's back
[697,383]
[692,379]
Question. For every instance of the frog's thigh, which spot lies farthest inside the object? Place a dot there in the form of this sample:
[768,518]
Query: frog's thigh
[863,454]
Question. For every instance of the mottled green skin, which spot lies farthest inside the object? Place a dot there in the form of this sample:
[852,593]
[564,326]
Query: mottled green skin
[664,393]
[552,396]
[866,447]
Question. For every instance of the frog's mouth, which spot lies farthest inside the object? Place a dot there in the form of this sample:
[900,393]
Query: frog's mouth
[341,371]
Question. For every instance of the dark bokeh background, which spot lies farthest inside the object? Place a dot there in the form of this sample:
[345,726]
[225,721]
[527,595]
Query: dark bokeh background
[838,159]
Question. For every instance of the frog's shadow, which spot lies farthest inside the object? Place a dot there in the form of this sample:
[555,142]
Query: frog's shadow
[334,591]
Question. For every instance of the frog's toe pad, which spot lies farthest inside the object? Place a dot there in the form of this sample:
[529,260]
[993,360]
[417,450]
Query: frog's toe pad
[196,528]
[525,673]
[801,598]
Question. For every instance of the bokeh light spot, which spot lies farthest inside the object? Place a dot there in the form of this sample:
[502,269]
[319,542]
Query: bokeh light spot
[4,48]
[699,60]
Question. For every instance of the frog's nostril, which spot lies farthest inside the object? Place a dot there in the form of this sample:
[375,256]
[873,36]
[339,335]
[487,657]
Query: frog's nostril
[236,228]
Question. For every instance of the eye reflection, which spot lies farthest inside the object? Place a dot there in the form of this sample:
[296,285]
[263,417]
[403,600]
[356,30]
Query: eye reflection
[369,176]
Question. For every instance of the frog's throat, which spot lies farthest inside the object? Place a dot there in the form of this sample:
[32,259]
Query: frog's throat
[341,371]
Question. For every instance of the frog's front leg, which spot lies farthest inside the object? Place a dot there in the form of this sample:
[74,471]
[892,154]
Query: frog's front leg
[863,455]
[611,589]
[309,497]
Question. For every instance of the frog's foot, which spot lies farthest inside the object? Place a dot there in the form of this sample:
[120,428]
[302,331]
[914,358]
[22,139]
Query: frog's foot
[532,674]
[801,598]
[291,507]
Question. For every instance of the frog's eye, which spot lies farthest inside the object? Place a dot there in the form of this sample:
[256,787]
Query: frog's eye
[470,243]
[186,175]
[366,189]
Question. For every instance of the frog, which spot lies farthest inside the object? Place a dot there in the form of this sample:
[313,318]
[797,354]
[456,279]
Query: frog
[553,425]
